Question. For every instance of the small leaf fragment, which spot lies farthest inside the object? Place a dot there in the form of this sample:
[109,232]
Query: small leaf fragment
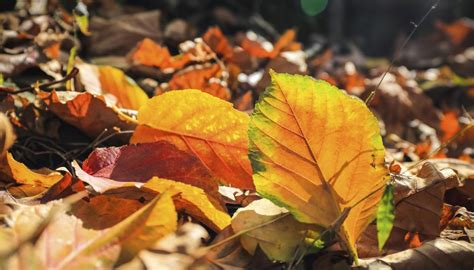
[385,216]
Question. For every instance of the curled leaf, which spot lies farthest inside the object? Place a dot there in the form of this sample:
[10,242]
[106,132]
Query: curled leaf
[279,239]
[89,113]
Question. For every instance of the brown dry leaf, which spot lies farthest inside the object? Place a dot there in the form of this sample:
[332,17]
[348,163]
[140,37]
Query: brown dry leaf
[398,104]
[120,34]
[101,211]
[437,254]
[149,53]
[206,78]
[91,114]
[204,126]
[280,239]
[418,210]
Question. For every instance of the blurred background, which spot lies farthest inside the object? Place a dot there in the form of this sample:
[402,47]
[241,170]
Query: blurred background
[373,25]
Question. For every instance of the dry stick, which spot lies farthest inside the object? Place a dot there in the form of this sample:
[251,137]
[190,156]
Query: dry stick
[68,77]
[399,50]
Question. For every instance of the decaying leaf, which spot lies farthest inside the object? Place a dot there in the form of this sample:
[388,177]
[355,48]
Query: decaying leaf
[304,158]
[210,130]
[436,254]
[59,244]
[418,205]
[89,113]
[279,239]
[189,199]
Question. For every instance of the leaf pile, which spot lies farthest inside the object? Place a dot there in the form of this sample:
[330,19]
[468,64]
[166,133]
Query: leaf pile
[166,149]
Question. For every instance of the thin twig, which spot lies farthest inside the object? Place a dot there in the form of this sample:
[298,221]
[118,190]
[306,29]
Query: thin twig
[68,77]
[398,52]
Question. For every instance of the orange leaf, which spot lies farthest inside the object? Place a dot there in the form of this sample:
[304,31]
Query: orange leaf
[87,112]
[456,31]
[129,95]
[449,125]
[218,42]
[285,43]
[53,51]
[205,79]
[202,125]
[148,53]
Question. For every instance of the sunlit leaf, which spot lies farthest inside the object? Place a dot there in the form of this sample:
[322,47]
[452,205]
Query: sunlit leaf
[202,125]
[315,150]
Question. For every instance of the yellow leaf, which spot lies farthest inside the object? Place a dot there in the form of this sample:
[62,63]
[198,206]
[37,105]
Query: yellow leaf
[140,230]
[129,94]
[202,125]
[316,150]
[193,201]
[23,175]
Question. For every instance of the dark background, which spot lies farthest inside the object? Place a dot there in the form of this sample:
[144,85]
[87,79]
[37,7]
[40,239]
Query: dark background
[374,25]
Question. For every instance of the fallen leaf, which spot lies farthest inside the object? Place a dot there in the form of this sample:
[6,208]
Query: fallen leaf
[112,83]
[205,78]
[280,239]
[23,175]
[148,53]
[202,125]
[418,207]
[129,94]
[138,231]
[436,254]
[304,158]
[91,114]
[101,212]
[193,201]
[60,242]
[449,125]
[7,136]
[139,163]
[218,42]
[178,250]
[189,199]
[120,34]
